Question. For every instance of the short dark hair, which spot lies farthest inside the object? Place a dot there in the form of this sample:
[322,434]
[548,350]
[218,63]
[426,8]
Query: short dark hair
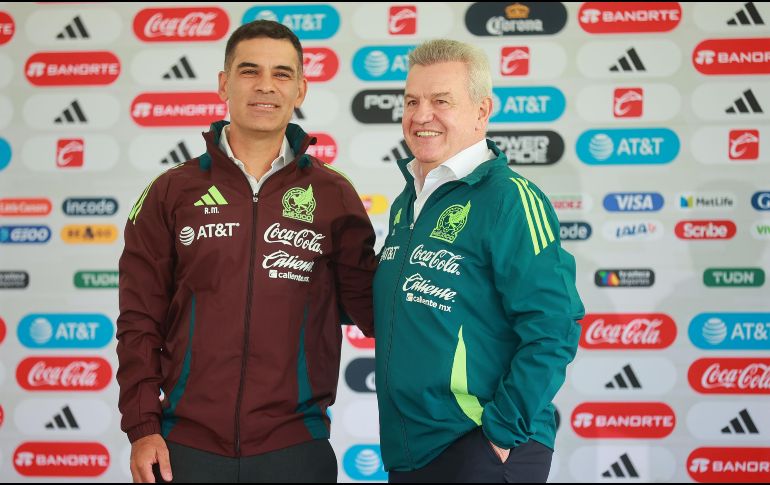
[261,28]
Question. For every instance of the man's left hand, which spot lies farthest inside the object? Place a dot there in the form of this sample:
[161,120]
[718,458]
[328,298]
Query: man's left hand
[501,453]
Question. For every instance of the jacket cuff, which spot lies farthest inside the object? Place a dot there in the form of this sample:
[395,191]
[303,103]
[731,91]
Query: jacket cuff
[146,429]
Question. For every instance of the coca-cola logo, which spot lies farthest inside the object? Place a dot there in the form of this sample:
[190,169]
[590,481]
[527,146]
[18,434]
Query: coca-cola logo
[627,420]
[730,376]
[324,149]
[441,260]
[705,229]
[61,459]
[7,28]
[95,68]
[729,465]
[187,24]
[357,338]
[319,64]
[303,238]
[622,17]
[732,56]
[64,374]
[177,109]
[602,331]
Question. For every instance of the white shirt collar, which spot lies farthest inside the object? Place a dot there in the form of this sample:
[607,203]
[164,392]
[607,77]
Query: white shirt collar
[285,154]
[458,166]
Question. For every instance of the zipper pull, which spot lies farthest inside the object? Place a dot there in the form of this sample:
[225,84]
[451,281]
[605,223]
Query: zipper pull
[255,198]
[411,226]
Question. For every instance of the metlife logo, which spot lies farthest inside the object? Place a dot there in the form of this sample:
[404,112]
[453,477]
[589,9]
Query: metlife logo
[628,146]
[529,148]
[382,63]
[527,104]
[65,331]
[314,21]
[731,331]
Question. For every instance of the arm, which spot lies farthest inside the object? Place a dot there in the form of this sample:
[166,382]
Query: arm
[535,279]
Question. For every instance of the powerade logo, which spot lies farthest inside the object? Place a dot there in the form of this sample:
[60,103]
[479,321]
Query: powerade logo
[380,106]
[104,206]
[633,202]
[364,462]
[731,331]
[574,231]
[530,104]
[628,146]
[65,331]
[529,147]
[382,63]
[24,234]
[306,21]
[359,375]
[5,154]
[760,200]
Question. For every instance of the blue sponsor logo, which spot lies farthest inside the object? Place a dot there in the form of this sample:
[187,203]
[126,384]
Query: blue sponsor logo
[530,104]
[65,331]
[5,154]
[306,21]
[731,331]
[24,234]
[382,63]
[761,201]
[633,202]
[364,462]
[628,146]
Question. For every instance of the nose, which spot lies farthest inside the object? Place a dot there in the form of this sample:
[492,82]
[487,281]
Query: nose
[264,83]
[423,113]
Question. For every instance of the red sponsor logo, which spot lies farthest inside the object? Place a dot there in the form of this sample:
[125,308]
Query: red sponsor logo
[2,330]
[729,465]
[704,230]
[619,17]
[514,61]
[604,331]
[325,148]
[7,28]
[64,374]
[743,145]
[628,102]
[2,416]
[730,376]
[319,63]
[357,338]
[69,152]
[633,420]
[188,24]
[402,20]
[24,207]
[61,459]
[94,68]
[177,109]
[732,56]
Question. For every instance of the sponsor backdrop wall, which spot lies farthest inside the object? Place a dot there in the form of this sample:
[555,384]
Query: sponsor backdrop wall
[646,124]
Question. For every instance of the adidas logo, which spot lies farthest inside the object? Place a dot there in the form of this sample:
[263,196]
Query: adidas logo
[59,420]
[747,103]
[741,424]
[748,15]
[75,30]
[623,468]
[178,155]
[298,114]
[398,152]
[624,380]
[71,114]
[629,62]
[181,70]
[212,197]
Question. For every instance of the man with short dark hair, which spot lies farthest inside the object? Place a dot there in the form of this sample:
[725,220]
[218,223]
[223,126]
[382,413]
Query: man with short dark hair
[237,268]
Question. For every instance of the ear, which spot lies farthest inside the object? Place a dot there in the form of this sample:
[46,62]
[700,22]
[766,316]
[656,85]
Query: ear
[484,113]
[222,89]
[302,92]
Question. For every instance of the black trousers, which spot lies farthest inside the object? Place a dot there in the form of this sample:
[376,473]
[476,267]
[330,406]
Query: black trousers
[472,459]
[312,461]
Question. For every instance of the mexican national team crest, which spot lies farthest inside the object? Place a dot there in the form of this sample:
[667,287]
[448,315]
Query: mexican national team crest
[451,222]
[299,203]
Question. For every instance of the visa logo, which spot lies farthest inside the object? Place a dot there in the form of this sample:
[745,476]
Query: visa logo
[633,202]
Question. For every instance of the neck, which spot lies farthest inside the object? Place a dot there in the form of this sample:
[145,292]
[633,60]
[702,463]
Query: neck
[256,151]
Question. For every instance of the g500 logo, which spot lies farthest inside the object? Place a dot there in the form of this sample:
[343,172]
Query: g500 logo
[451,222]
[299,204]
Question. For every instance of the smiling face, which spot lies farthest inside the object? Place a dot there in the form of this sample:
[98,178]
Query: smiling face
[262,86]
[440,118]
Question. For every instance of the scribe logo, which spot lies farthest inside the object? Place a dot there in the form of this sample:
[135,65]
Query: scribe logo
[61,459]
[186,24]
[624,420]
[629,17]
[637,331]
[94,68]
[177,109]
[320,64]
[705,230]
[402,20]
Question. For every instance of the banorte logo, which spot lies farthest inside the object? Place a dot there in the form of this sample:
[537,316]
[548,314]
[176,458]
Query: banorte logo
[177,109]
[730,376]
[705,230]
[61,459]
[633,331]
[629,17]
[729,465]
[732,56]
[63,374]
[186,24]
[319,64]
[325,148]
[625,420]
[357,338]
[93,68]
[7,28]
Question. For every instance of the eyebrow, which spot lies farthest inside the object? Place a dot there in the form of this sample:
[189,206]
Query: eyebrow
[279,67]
[434,95]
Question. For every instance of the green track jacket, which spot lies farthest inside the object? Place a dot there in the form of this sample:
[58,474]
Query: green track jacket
[476,316]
